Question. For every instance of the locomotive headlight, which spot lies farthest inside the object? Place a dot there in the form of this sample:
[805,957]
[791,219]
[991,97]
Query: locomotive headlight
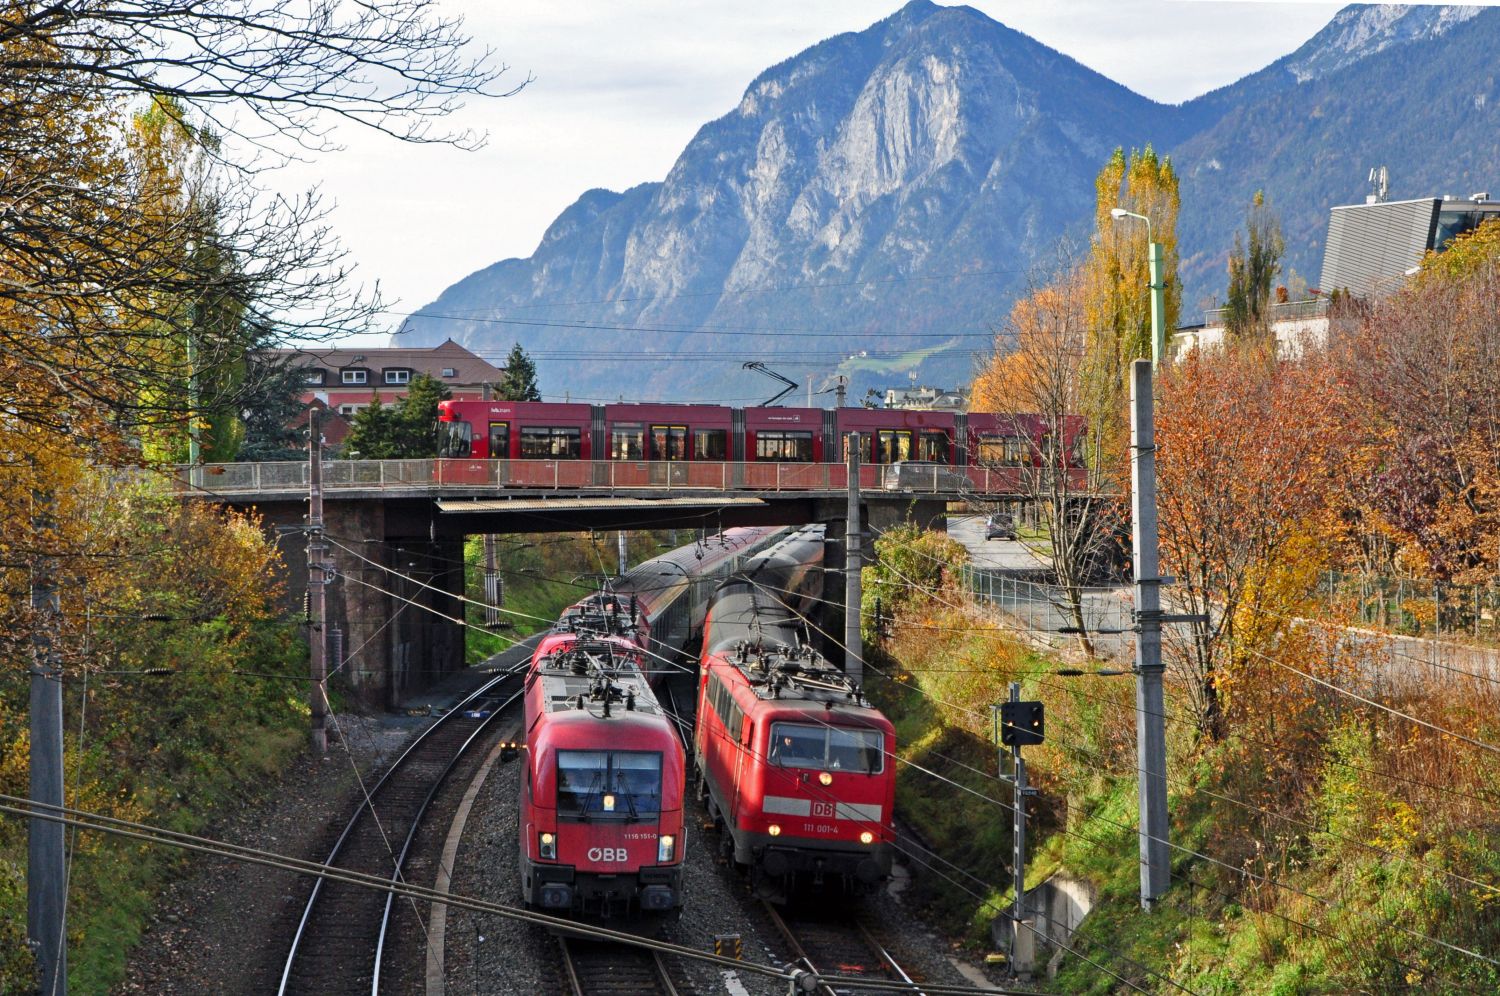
[666,844]
[867,838]
[609,803]
[774,829]
[824,778]
[547,846]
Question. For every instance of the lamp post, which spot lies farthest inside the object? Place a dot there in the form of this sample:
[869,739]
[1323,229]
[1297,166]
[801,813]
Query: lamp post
[1154,257]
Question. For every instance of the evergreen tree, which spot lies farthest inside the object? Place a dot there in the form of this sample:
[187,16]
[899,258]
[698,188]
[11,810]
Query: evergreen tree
[272,407]
[406,430]
[1252,269]
[519,382]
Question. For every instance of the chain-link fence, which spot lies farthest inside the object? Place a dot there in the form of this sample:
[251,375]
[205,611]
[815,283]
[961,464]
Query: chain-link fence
[1412,607]
[1045,608]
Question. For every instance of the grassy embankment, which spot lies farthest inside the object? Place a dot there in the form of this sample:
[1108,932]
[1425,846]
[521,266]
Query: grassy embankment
[1332,836]
[209,728]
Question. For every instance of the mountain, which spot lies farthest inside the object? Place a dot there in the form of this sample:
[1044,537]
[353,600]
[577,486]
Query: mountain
[899,185]
[1406,87]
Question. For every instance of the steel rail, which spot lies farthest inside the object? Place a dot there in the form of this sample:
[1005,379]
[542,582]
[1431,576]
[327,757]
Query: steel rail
[366,804]
[416,824]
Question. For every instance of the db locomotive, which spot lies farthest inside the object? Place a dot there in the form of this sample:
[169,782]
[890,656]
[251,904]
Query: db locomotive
[795,766]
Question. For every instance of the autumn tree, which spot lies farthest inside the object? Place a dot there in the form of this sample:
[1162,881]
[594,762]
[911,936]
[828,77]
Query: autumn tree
[519,382]
[1254,263]
[1038,372]
[1118,279]
[1242,461]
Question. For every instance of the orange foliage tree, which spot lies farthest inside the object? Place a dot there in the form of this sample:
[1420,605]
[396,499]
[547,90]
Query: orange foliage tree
[1242,461]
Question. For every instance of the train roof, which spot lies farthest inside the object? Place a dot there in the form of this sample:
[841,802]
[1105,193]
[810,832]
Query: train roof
[603,676]
[791,675]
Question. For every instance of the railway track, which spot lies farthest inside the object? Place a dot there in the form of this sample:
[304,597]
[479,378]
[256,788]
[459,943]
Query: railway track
[843,948]
[342,934]
[595,968]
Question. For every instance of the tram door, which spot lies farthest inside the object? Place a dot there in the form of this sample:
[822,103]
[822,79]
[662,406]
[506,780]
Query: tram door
[500,450]
[669,450]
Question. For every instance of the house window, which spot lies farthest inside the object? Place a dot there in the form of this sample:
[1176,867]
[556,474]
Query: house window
[398,376]
[449,372]
[347,410]
[355,376]
[314,378]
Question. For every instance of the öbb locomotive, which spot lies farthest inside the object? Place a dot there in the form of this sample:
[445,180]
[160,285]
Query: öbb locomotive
[601,798]
[795,765]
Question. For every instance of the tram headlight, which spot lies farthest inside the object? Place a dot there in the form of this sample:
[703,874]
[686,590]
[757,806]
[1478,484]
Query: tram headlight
[666,846]
[546,846]
[867,837]
[774,829]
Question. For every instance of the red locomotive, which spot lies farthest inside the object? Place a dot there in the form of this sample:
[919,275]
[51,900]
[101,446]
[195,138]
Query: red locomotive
[559,445]
[796,766]
[601,801]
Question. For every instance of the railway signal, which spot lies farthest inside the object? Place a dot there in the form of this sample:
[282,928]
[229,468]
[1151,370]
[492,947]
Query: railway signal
[1019,724]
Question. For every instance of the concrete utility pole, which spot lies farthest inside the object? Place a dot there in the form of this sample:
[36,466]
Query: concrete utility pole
[854,665]
[46,867]
[1150,720]
[491,582]
[317,587]
[624,553]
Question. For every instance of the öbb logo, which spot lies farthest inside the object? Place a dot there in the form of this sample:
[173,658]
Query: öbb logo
[607,854]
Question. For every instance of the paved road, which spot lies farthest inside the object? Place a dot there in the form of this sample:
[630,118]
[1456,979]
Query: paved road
[1013,582]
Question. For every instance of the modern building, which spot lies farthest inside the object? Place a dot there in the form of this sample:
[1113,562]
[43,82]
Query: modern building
[1372,248]
[346,380]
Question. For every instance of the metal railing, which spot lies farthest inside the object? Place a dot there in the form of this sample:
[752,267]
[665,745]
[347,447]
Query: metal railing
[587,475]
[1042,607]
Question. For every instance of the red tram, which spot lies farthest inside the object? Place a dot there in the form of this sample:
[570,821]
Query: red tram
[795,765]
[601,800]
[656,445]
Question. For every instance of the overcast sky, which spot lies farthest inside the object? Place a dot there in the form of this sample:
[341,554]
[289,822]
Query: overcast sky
[620,86]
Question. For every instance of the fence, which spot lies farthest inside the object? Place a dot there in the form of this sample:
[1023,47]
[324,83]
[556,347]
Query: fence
[614,475]
[1042,607]
[1413,607]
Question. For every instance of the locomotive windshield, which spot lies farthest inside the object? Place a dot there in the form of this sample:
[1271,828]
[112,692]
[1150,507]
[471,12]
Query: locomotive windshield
[599,784]
[827,748]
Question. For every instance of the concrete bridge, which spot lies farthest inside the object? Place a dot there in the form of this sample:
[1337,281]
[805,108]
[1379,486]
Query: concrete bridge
[390,521]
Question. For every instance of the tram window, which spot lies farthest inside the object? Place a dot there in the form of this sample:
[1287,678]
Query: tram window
[455,439]
[539,442]
[1003,451]
[783,446]
[932,447]
[499,440]
[892,446]
[710,444]
[865,445]
[627,442]
[669,442]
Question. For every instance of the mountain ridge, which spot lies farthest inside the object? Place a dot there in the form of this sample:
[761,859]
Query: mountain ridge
[885,184]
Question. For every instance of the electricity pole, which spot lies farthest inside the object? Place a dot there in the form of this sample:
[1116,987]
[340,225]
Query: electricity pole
[46,869]
[317,587]
[853,591]
[623,552]
[1150,720]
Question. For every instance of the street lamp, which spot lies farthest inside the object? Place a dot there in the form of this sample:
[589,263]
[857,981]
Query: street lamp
[1158,287]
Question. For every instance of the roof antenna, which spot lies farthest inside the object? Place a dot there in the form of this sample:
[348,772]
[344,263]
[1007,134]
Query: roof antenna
[1380,181]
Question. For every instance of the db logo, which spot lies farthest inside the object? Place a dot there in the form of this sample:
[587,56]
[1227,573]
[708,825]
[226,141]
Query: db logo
[607,854]
[823,810]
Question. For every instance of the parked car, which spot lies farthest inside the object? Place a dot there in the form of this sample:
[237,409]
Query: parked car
[1001,525]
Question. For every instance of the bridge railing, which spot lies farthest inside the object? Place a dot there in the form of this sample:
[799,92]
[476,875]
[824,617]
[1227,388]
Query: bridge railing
[589,475]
